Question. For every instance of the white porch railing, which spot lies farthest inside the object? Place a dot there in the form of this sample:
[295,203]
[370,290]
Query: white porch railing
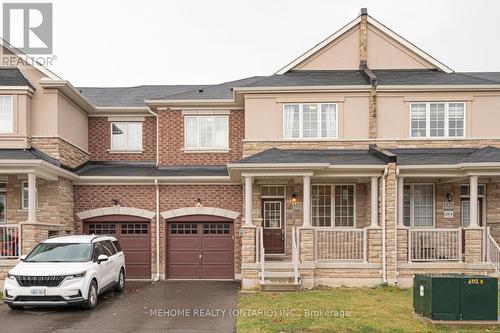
[295,254]
[340,244]
[260,252]
[10,245]
[435,244]
[492,252]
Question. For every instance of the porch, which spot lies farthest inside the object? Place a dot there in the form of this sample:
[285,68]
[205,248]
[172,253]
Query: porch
[366,224]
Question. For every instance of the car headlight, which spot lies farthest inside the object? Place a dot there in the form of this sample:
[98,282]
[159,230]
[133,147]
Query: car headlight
[76,276]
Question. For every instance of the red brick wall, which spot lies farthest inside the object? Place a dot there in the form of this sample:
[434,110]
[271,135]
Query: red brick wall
[171,197]
[172,141]
[100,141]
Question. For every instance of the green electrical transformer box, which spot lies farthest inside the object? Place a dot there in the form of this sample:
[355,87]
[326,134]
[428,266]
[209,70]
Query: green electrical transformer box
[455,297]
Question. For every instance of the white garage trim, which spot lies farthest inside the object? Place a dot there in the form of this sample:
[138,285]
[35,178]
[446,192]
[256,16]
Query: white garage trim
[200,211]
[115,210]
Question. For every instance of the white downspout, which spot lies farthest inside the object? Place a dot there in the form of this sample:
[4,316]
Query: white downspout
[157,277]
[396,211]
[157,137]
[384,259]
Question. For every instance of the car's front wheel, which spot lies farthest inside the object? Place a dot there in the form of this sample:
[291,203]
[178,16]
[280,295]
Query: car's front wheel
[120,285]
[92,296]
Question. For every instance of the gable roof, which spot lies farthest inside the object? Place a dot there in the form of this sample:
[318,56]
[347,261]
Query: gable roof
[338,34]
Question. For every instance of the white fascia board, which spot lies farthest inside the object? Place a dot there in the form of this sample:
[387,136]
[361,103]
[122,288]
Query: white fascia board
[23,88]
[409,45]
[253,166]
[278,89]
[41,167]
[319,46]
[440,87]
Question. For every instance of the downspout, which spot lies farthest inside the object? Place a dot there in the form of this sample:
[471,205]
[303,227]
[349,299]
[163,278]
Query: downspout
[384,259]
[157,136]
[157,277]
[396,212]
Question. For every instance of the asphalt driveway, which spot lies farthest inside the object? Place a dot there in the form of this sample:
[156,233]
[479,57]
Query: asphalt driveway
[167,306]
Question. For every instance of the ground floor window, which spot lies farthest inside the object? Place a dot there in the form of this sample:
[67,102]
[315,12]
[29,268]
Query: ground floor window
[333,205]
[418,205]
[465,204]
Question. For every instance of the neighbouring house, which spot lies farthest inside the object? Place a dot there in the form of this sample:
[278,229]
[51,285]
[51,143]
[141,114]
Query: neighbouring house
[363,161]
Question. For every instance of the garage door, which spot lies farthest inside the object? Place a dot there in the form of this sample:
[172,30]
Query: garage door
[135,238]
[200,250]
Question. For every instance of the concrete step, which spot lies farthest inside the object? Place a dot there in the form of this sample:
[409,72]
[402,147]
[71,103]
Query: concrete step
[278,265]
[280,286]
[278,274]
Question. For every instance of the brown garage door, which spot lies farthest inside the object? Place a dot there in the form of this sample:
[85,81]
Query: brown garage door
[200,250]
[135,238]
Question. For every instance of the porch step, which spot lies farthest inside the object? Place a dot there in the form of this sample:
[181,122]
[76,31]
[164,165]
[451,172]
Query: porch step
[278,265]
[280,287]
[277,274]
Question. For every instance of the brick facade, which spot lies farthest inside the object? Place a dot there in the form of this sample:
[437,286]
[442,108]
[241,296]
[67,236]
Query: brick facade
[172,141]
[100,141]
[171,197]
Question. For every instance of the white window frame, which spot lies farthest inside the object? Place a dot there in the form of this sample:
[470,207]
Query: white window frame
[446,120]
[332,204]
[273,196]
[483,196]
[412,206]
[12,114]
[301,125]
[126,149]
[199,147]
[23,184]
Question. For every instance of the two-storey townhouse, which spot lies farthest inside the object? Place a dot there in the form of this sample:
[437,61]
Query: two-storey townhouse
[363,161]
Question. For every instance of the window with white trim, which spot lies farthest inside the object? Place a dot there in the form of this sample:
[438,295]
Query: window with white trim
[437,120]
[126,136]
[418,205]
[206,132]
[25,195]
[310,121]
[6,114]
[333,203]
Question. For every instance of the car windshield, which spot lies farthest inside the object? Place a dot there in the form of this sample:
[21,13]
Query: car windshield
[63,252]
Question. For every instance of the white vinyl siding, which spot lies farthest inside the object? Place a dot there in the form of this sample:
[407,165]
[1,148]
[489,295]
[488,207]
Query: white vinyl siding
[126,136]
[206,132]
[310,121]
[333,203]
[418,205]
[437,120]
[6,114]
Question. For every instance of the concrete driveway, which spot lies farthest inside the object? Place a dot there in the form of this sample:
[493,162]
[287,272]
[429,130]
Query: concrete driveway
[167,306]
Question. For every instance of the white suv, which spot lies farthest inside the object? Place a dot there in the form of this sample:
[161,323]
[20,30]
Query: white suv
[66,270]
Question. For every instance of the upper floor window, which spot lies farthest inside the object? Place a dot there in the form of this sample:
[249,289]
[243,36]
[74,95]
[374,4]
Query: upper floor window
[437,120]
[206,132]
[310,121]
[126,136]
[6,114]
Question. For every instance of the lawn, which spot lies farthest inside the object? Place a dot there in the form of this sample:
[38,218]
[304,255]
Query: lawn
[370,310]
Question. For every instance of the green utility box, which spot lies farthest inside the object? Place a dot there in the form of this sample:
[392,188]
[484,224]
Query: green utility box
[456,297]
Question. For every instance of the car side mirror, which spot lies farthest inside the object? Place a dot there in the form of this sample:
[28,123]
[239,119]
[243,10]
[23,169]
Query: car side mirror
[101,258]
[23,257]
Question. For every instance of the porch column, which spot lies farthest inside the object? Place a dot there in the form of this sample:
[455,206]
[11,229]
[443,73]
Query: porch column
[307,202]
[401,187]
[248,201]
[374,201]
[31,198]
[473,201]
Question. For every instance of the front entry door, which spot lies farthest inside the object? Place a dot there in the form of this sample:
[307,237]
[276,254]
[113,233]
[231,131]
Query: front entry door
[273,226]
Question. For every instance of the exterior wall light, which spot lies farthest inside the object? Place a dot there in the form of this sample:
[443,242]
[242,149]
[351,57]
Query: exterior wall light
[115,202]
[294,197]
[199,204]
[449,197]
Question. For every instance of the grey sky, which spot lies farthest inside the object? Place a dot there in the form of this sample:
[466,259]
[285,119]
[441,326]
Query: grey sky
[123,43]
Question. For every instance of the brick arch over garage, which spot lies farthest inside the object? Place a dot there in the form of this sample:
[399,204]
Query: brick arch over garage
[116,210]
[210,211]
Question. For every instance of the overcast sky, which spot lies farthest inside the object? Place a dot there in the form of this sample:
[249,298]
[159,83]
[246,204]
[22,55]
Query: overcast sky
[133,42]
